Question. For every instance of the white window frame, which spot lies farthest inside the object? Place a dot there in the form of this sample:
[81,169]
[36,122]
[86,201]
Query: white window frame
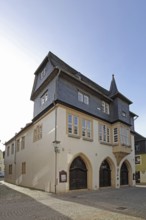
[115,135]
[82,97]
[105,107]
[86,129]
[104,133]
[73,125]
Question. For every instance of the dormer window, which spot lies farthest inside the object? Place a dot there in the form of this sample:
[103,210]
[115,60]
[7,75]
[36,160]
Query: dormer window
[83,98]
[43,73]
[123,114]
[105,107]
[44,98]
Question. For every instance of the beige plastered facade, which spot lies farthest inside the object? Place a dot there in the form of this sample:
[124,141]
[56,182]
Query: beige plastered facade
[43,164]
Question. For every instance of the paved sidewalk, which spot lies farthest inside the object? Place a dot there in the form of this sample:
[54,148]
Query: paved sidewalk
[19,203]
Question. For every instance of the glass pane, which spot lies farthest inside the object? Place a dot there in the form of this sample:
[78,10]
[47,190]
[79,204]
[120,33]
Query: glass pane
[70,119]
[75,130]
[86,99]
[80,97]
[69,129]
[75,120]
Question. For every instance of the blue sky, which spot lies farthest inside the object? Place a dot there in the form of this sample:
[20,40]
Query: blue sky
[96,37]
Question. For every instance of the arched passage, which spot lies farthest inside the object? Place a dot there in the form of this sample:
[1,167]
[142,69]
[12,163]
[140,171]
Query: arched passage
[105,174]
[124,174]
[78,174]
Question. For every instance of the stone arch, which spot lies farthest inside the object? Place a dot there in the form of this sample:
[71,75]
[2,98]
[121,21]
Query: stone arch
[125,173]
[80,165]
[109,172]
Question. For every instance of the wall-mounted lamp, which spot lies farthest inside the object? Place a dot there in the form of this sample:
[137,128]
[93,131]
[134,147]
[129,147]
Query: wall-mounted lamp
[56,146]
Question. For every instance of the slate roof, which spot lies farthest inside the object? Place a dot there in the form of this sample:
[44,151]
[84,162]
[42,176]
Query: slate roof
[58,63]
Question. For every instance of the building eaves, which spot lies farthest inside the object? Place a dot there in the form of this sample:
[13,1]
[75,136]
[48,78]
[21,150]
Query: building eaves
[19,133]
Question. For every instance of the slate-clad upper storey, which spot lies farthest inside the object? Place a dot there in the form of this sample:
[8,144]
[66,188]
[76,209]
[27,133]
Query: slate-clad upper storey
[63,83]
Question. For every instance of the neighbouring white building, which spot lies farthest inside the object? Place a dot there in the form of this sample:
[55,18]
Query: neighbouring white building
[81,135]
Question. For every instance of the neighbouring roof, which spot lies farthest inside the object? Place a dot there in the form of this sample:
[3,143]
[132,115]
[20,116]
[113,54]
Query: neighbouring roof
[139,137]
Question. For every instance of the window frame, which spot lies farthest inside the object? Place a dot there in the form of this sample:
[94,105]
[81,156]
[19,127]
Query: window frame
[10,169]
[17,145]
[43,73]
[73,125]
[82,97]
[8,151]
[105,107]
[22,142]
[124,136]
[12,148]
[104,134]
[38,133]
[44,98]
[138,162]
[87,129]
[23,168]
[115,135]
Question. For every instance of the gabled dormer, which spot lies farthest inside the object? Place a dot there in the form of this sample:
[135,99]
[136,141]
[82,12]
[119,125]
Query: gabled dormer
[45,91]
[44,87]
[120,105]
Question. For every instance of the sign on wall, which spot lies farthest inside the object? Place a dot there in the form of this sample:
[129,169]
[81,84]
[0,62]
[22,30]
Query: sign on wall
[62,176]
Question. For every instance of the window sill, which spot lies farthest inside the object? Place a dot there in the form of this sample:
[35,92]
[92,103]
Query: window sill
[105,143]
[87,139]
[74,136]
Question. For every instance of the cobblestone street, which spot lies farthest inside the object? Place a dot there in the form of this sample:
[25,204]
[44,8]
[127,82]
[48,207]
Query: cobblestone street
[19,203]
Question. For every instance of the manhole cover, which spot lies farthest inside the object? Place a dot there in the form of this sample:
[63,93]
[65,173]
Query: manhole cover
[121,208]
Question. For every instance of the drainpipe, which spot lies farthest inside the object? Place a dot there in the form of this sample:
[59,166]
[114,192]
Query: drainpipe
[56,142]
[15,155]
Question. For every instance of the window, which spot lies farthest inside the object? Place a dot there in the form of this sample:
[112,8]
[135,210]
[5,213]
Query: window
[10,169]
[104,133]
[137,147]
[86,129]
[124,136]
[43,73]
[73,124]
[12,149]
[23,167]
[105,107]
[37,133]
[86,99]
[123,114]
[8,150]
[44,98]
[80,97]
[115,135]
[83,98]
[22,143]
[18,145]
[137,160]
